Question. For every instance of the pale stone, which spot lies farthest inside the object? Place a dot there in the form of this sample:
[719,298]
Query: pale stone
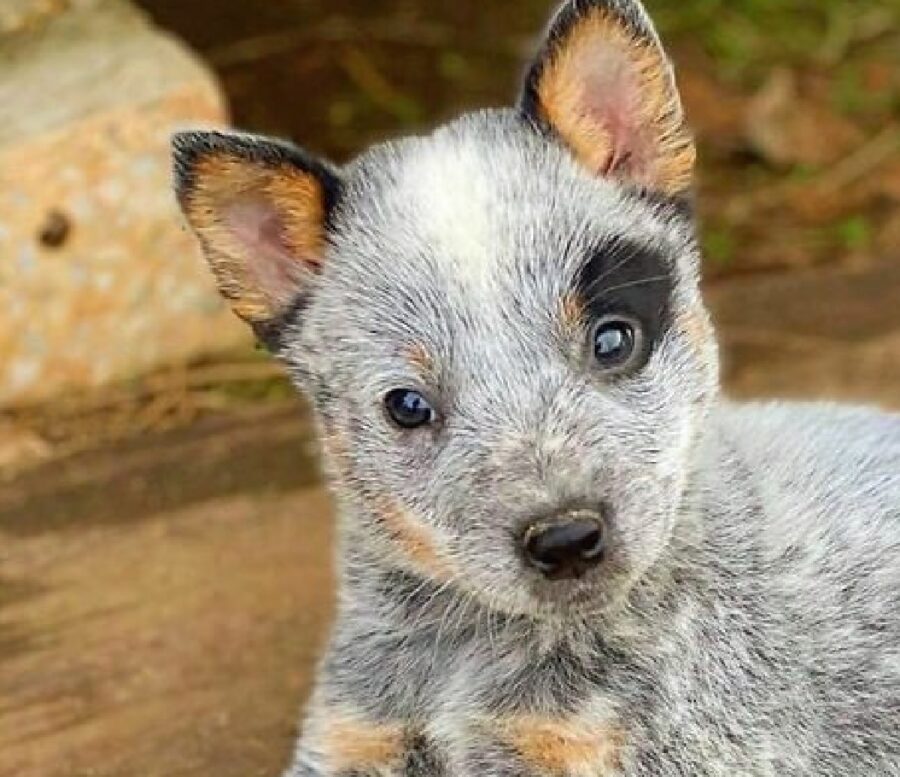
[20,447]
[99,279]
[19,15]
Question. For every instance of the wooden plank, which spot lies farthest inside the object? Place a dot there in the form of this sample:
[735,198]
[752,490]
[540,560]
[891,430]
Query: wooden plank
[162,640]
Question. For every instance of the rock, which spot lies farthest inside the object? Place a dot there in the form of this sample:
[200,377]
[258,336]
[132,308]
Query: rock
[20,446]
[19,15]
[99,279]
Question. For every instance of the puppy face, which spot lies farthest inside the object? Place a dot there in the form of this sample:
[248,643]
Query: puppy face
[498,324]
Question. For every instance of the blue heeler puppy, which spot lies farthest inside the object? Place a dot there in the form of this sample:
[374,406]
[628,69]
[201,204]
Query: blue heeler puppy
[562,552]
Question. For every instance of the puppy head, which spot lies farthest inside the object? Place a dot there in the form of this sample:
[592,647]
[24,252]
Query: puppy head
[499,324]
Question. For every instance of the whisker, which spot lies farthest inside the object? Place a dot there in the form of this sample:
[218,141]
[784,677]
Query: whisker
[444,616]
[609,271]
[630,284]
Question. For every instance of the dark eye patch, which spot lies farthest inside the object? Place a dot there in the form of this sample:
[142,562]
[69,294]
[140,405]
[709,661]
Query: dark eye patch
[628,279]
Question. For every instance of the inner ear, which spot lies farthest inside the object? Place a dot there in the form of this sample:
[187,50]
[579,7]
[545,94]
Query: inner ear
[260,209]
[603,84]
[278,266]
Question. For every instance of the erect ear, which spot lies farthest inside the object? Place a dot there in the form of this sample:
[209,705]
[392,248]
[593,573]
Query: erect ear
[260,208]
[604,85]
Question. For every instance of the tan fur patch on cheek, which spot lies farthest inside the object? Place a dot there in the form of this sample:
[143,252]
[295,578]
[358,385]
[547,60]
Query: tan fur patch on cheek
[599,57]
[337,449]
[565,747]
[414,539]
[223,182]
[349,745]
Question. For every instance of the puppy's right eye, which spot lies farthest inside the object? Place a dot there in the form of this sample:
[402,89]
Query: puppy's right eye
[616,344]
[408,409]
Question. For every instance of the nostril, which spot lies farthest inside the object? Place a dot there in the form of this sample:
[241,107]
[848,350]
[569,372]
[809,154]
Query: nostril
[561,550]
[538,551]
[591,544]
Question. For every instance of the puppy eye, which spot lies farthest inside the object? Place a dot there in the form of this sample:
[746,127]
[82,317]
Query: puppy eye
[408,409]
[616,343]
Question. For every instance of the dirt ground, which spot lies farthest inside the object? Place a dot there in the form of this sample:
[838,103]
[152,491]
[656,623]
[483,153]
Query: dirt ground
[165,545]
[162,603]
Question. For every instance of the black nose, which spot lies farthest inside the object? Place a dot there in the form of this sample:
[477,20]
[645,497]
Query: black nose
[565,549]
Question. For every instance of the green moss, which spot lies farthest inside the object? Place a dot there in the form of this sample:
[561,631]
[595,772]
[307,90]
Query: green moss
[854,233]
[453,65]
[719,246]
[745,38]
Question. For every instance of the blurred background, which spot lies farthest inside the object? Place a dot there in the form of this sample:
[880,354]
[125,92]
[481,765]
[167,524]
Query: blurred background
[164,538]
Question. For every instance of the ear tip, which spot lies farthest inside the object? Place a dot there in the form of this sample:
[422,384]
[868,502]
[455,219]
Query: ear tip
[630,14]
[189,144]
[187,147]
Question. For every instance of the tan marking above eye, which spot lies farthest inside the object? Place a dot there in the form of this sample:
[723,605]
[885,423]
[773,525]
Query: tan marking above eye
[420,358]
[572,313]
[697,328]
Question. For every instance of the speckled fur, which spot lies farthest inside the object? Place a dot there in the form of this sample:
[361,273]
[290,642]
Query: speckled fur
[747,618]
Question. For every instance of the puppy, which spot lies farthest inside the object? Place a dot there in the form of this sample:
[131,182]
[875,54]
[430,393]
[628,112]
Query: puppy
[562,552]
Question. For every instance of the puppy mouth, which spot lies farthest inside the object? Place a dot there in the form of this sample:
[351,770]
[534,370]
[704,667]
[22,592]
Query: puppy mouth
[595,590]
[562,596]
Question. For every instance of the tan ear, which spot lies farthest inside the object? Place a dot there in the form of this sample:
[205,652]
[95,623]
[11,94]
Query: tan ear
[260,209]
[604,85]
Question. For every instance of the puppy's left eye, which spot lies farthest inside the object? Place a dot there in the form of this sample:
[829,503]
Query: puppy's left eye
[616,343]
[408,409]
